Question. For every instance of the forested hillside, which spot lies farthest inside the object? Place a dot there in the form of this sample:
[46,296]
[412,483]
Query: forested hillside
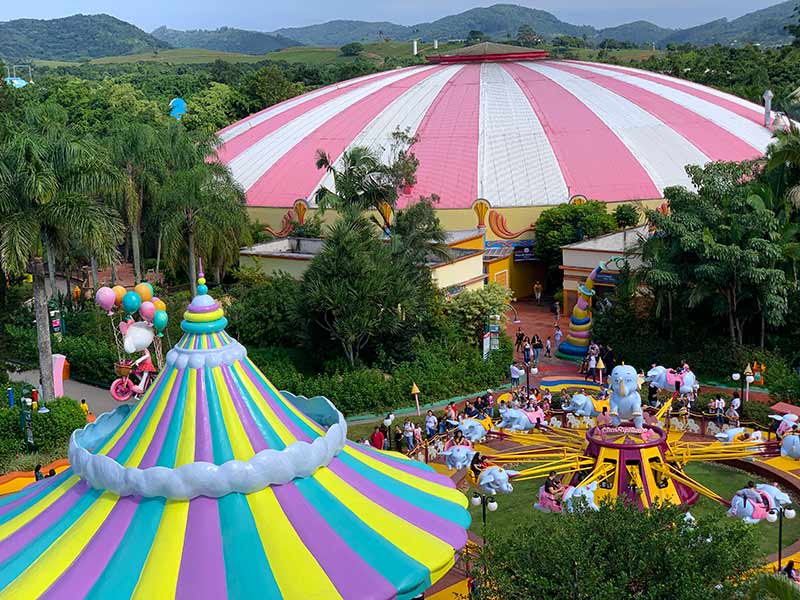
[74,38]
[225,39]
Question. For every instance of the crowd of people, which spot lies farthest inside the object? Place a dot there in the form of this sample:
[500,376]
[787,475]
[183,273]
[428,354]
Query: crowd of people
[598,360]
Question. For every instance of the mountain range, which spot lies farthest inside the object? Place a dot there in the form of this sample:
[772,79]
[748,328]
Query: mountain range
[82,37]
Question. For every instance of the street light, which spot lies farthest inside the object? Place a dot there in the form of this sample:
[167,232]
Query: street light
[745,379]
[777,514]
[528,371]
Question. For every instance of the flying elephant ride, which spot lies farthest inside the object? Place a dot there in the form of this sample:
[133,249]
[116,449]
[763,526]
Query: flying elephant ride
[517,419]
[666,379]
[629,459]
[752,511]
[133,337]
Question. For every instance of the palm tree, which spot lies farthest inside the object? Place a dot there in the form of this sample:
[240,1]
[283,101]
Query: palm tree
[769,586]
[138,150]
[48,188]
[205,204]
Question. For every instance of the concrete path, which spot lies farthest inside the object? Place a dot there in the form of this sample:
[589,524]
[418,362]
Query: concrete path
[99,399]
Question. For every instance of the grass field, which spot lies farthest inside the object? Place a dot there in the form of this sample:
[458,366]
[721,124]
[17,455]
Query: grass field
[513,509]
[376,52]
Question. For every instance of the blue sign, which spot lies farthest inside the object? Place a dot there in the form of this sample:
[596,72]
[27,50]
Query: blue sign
[607,278]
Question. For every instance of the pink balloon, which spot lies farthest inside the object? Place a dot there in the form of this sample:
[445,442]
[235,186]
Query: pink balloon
[147,310]
[105,298]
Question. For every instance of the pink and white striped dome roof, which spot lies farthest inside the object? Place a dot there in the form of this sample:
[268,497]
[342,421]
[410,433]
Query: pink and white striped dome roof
[513,133]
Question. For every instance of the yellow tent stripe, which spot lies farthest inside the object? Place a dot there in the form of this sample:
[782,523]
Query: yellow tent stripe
[186,442]
[291,407]
[286,552]
[159,578]
[35,580]
[131,417]
[426,549]
[152,424]
[25,517]
[434,489]
[274,422]
[240,443]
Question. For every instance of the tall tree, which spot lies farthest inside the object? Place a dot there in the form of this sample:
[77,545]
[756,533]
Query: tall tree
[49,184]
[138,150]
[202,207]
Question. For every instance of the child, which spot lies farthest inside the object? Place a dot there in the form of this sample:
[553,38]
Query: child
[548,345]
[417,434]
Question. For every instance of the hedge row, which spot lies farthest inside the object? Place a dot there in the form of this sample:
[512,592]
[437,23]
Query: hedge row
[437,373]
[51,431]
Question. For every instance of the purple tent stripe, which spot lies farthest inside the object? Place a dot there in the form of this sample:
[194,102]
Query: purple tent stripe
[41,523]
[445,530]
[278,409]
[203,450]
[154,447]
[410,468]
[257,440]
[336,558]
[87,568]
[202,572]
[36,487]
[153,396]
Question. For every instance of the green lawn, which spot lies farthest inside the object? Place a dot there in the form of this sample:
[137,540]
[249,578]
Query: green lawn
[181,56]
[514,508]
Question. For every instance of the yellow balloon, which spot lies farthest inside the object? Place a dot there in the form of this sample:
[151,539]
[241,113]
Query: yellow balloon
[119,292]
[159,304]
[145,290]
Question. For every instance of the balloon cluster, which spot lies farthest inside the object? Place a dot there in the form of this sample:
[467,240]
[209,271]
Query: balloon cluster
[141,299]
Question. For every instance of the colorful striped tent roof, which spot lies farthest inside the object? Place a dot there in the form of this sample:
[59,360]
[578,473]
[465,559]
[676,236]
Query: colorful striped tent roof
[516,133]
[218,485]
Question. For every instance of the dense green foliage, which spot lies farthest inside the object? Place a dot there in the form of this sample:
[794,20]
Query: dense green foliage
[77,37]
[618,553]
[226,39]
[51,431]
[565,224]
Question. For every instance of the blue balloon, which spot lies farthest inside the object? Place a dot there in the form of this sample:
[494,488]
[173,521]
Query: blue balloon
[131,302]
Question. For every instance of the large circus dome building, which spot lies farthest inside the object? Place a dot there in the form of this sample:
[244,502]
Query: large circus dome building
[503,132]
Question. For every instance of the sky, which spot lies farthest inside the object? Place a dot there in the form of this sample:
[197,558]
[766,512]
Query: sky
[268,15]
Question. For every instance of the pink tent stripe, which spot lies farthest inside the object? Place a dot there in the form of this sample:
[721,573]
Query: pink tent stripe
[293,176]
[748,113]
[202,571]
[714,141]
[448,143]
[88,567]
[235,146]
[598,165]
[337,559]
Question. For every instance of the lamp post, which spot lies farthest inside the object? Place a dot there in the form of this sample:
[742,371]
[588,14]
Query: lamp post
[777,514]
[415,393]
[528,371]
[744,379]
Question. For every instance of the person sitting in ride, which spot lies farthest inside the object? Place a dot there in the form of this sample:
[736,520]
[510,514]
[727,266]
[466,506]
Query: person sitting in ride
[684,368]
[458,440]
[604,419]
[477,465]
[751,493]
[553,487]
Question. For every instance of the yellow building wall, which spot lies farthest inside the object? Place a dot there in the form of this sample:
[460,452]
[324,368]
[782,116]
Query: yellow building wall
[452,219]
[499,271]
[475,243]
[271,265]
[459,272]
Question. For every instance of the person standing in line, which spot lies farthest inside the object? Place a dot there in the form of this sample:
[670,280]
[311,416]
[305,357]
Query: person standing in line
[526,352]
[536,344]
[558,335]
[520,340]
[408,434]
[431,424]
[537,292]
[592,368]
[376,439]
[548,346]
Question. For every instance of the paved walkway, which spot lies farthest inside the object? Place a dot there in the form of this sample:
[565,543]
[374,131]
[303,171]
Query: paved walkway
[99,399]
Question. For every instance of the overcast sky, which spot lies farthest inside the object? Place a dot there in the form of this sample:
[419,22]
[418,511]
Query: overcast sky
[267,15]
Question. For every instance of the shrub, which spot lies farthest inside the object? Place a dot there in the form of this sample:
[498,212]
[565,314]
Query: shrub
[91,360]
[21,345]
[51,431]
